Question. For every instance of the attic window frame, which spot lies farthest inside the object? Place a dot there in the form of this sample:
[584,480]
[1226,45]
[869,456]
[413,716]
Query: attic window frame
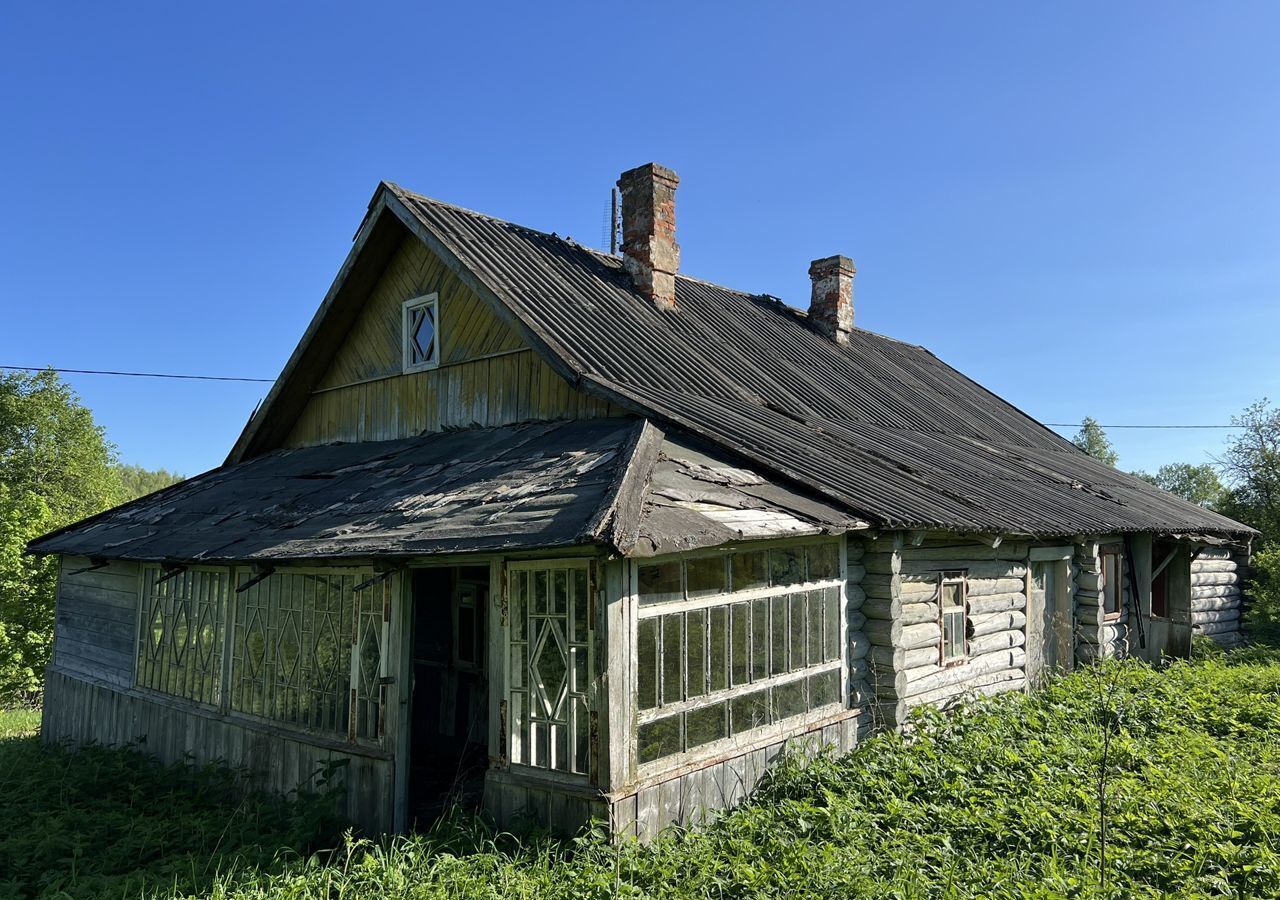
[407,308]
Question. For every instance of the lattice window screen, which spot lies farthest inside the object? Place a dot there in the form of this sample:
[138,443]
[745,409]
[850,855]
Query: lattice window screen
[308,651]
[549,668]
[181,639]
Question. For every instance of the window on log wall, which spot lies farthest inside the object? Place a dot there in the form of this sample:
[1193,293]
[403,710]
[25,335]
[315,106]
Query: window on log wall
[731,642]
[550,633]
[303,648]
[1112,580]
[953,611]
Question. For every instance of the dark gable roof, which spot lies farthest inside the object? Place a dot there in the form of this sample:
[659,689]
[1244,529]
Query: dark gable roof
[882,426]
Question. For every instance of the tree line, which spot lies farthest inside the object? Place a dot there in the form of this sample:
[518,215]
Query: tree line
[1242,483]
[56,467]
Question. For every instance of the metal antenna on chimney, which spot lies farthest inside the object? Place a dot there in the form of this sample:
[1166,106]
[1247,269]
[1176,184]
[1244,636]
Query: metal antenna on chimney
[613,222]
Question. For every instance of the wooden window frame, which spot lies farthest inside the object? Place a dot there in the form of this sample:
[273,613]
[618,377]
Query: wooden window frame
[767,682]
[406,311]
[1117,551]
[947,577]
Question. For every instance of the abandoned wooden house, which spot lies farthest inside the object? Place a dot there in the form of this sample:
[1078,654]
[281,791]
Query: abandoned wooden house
[573,535]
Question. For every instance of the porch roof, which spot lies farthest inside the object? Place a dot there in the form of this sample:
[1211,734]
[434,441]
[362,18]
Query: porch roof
[612,482]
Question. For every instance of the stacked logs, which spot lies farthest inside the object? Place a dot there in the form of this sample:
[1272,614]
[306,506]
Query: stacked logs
[1098,635]
[860,695]
[903,627]
[1216,601]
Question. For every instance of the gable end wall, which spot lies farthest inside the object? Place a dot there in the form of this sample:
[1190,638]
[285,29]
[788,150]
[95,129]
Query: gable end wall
[488,376]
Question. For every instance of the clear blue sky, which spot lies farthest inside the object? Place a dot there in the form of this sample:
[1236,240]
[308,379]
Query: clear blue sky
[1076,204]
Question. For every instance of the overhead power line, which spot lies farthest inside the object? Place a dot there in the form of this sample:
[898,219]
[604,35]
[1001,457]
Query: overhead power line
[137,374]
[271,380]
[1077,425]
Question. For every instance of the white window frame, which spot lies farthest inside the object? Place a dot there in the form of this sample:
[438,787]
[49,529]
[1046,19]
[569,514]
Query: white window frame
[513,741]
[406,311]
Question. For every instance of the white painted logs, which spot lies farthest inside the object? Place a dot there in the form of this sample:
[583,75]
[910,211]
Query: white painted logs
[1217,603]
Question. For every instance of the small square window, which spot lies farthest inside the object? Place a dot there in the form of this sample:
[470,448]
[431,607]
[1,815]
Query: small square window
[421,333]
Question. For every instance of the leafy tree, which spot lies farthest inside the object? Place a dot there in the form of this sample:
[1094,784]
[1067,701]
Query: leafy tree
[1199,484]
[56,466]
[136,481]
[1252,465]
[1093,440]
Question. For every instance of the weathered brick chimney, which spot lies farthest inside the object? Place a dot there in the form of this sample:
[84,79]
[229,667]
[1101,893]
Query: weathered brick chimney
[831,304]
[649,249]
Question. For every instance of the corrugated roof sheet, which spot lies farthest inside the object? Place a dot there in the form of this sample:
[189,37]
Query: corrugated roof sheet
[524,486]
[879,425]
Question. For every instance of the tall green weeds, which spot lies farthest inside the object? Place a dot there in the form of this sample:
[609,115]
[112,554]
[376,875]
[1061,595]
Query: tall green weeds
[997,799]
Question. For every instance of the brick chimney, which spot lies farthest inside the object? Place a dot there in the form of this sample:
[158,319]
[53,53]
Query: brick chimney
[649,249]
[831,304]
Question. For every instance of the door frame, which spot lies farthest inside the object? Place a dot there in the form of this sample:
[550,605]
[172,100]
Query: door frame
[1066,592]
[405,623]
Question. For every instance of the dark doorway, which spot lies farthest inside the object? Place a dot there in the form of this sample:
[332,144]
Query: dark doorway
[1160,552]
[449,730]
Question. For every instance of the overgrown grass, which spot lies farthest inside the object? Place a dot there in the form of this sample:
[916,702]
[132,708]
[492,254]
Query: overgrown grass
[114,823]
[1000,799]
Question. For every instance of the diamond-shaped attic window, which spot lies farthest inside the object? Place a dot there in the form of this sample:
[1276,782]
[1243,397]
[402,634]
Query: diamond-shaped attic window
[421,333]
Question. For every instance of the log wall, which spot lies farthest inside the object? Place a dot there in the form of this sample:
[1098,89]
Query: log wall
[1097,634]
[78,710]
[903,621]
[1217,605]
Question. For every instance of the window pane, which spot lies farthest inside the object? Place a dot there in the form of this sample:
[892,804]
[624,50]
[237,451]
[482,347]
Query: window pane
[778,646]
[647,663]
[824,689]
[519,583]
[659,738]
[749,571]
[581,605]
[540,592]
[786,566]
[953,635]
[672,656]
[702,726]
[835,635]
[559,592]
[799,632]
[824,561]
[952,595]
[817,626]
[706,576]
[717,639]
[581,735]
[789,699]
[660,582]
[750,711]
[696,653]
[759,639]
[518,663]
[740,637]
[581,675]
[519,725]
